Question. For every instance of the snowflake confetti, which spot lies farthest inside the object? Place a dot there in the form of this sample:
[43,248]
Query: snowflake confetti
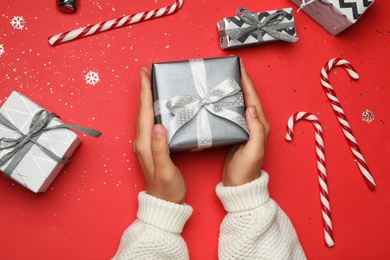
[1,49]
[367,116]
[18,22]
[92,78]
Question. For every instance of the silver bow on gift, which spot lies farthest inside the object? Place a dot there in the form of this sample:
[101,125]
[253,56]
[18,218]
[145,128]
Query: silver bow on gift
[19,146]
[185,108]
[271,24]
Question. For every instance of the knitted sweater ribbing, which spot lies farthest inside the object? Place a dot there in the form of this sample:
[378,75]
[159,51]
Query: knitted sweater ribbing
[255,227]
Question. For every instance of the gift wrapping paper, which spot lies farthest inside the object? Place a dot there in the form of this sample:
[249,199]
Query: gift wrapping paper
[36,170]
[178,82]
[235,23]
[334,15]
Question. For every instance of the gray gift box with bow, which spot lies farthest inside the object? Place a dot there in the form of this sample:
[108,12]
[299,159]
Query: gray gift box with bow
[200,102]
[248,29]
[34,143]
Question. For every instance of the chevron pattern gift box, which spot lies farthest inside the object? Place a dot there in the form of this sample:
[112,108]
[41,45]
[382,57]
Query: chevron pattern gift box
[334,15]
[34,143]
[248,29]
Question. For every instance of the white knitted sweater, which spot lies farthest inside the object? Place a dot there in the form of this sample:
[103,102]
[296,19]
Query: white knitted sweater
[255,227]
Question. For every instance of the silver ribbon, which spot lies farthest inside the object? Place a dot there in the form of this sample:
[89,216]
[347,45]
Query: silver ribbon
[21,145]
[185,108]
[270,25]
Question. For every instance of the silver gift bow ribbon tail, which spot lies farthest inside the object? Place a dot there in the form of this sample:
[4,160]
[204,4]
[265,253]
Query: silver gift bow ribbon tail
[185,108]
[271,25]
[21,145]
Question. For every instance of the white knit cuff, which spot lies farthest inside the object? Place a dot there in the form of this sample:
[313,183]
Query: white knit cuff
[162,214]
[244,197]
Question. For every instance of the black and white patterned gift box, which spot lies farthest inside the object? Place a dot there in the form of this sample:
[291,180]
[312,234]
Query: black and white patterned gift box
[274,25]
[334,15]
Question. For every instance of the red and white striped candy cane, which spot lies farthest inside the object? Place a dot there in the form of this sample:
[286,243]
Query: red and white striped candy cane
[322,177]
[115,23]
[341,115]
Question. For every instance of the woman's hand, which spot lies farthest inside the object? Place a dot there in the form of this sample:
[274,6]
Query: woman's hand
[162,178]
[243,162]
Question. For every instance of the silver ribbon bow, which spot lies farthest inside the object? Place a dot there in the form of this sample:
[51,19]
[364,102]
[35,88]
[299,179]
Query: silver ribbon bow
[185,108]
[20,146]
[270,25]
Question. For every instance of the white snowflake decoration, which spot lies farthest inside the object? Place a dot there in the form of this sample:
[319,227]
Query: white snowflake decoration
[368,116]
[18,22]
[1,49]
[92,78]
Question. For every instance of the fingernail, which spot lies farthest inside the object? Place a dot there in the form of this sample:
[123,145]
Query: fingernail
[157,131]
[253,112]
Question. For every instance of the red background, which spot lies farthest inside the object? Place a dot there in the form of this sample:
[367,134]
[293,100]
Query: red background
[93,200]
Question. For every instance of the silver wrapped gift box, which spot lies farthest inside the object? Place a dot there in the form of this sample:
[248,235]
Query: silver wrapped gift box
[36,171]
[200,102]
[34,143]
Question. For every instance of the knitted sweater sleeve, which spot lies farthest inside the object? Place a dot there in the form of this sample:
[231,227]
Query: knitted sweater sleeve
[255,227]
[155,234]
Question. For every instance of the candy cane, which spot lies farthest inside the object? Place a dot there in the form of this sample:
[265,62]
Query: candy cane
[115,23]
[322,178]
[359,159]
